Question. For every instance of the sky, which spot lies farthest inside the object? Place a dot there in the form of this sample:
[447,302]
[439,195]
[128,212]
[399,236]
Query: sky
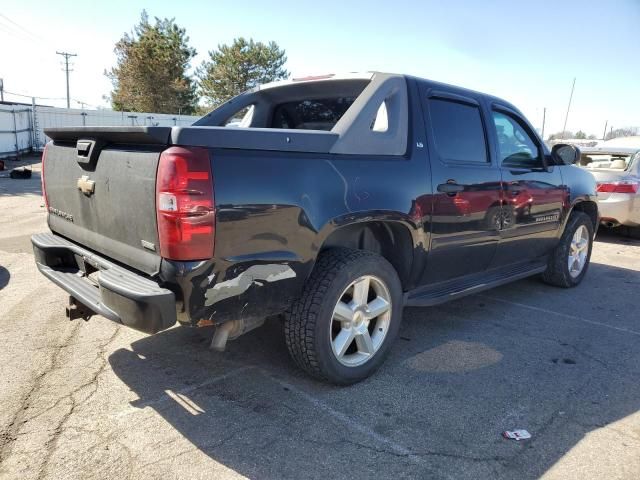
[525,52]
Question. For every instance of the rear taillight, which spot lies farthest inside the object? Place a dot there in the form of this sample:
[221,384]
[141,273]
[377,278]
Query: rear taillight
[185,205]
[44,190]
[619,187]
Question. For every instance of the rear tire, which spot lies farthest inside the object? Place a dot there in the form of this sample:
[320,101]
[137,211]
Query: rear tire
[340,330]
[579,229]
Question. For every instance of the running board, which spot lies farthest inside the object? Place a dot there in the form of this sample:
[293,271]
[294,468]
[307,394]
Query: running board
[449,290]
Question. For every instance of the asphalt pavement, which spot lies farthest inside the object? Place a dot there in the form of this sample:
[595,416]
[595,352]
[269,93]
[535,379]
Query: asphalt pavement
[93,400]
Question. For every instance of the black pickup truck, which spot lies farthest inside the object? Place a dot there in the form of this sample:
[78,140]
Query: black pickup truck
[331,201]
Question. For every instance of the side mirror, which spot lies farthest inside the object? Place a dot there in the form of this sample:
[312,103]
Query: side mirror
[565,154]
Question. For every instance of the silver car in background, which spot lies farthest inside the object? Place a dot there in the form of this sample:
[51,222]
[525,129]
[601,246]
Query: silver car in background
[617,173]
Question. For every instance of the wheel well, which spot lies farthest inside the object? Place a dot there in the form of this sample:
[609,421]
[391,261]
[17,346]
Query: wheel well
[390,240]
[590,208]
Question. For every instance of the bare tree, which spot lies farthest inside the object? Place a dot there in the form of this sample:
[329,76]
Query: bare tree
[560,135]
[622,132]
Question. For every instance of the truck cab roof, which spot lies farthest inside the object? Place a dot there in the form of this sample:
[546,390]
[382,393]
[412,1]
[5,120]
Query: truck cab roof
[352,113]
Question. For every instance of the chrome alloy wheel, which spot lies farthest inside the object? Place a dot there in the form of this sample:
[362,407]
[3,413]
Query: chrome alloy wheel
[578,251]
[360,321]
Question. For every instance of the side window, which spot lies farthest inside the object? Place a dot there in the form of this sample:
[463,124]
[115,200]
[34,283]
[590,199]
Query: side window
[457,131]
[381,122]
[516,148]
[241,119]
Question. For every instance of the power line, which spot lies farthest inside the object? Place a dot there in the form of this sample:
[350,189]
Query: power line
[84,104]
[66,56]
[20,29]
[13,29]
[33,96]
[81,102]
[15,32]
[36,51]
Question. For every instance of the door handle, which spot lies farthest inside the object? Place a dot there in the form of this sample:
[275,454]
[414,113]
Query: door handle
[450,188]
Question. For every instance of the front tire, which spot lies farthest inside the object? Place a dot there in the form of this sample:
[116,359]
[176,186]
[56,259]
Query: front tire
[569,261]
[344,323]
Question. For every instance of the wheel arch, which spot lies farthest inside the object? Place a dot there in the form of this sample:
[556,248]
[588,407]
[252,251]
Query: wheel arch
[390,239]
[587,206]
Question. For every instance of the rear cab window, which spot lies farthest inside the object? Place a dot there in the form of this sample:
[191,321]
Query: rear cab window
[292,105]
[311,114]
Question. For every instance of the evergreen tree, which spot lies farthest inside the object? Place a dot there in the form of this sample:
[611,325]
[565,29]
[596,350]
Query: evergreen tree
[232,69]
[151,70]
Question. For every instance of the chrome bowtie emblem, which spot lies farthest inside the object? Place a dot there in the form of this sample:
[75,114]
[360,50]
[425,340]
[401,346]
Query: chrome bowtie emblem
[85,185]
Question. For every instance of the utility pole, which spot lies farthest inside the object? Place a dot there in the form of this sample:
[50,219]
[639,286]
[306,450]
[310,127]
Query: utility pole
[544,118]
[1,90]
[66,70]
[568,108]
[604,134]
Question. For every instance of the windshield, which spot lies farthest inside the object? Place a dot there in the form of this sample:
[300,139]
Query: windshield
[610,161]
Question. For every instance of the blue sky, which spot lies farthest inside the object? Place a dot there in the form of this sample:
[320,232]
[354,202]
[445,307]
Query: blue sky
[525,52]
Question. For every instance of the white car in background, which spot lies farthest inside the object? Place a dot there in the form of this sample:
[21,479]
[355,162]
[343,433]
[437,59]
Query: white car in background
[617,173]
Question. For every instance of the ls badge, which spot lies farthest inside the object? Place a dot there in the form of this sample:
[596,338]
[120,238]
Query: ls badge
[86,186]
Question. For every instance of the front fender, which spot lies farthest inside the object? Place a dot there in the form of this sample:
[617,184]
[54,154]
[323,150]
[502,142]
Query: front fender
[581,187]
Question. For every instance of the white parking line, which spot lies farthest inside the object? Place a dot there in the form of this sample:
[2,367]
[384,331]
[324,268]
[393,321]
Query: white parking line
[559,314]
[171,395]
[350,422]
[185,402]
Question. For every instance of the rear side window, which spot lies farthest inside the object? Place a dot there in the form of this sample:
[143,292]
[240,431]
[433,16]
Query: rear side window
[241,119]
[457,131]
[318,114]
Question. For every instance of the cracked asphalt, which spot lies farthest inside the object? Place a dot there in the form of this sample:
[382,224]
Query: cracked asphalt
[93,400]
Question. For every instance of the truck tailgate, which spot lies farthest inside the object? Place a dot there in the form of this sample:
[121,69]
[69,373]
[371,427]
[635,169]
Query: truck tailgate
[107,204]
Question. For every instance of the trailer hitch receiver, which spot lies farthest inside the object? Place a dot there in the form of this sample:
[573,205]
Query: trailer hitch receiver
[76,310]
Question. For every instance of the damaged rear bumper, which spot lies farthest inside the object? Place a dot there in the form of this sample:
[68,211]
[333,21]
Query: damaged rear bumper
[103,287]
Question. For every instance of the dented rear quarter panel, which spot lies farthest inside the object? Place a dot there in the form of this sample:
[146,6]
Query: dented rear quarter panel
[274,212]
